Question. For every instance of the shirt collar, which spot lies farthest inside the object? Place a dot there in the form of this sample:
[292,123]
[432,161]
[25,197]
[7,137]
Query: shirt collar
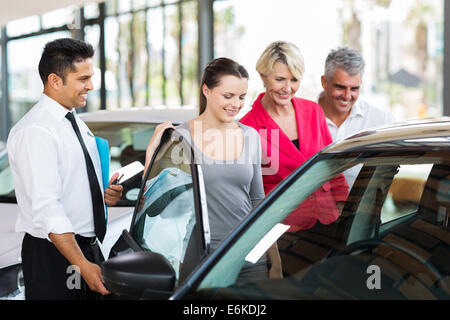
[356,110]
[54,108]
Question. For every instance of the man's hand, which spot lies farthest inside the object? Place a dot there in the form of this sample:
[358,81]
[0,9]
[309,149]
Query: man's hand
[114,192]
[92,274]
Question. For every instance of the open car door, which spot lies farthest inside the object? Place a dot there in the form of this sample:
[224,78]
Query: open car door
[169,234]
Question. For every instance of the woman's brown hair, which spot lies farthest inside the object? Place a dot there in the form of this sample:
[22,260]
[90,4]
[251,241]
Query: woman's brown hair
[214,71]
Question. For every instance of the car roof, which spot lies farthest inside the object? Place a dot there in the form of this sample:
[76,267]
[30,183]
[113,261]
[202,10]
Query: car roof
[142,115]
[423,134]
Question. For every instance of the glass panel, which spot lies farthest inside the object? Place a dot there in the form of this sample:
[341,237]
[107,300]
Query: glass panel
[170,1]
[23,26]
[6,179]
[172,62]
[111,7]
[155,38]
[331,258]
[25,85]
[60,17]
[139,59]
[189,46]
[139,4]
[154,2]
[405,191]
[91,10]
[124,6]
[112,55]
[127,142]
[124,66]
[92,36]
[165,219]
[401,41]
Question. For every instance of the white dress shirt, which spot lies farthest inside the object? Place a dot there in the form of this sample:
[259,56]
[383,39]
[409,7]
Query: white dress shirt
[49,172]
[363,116]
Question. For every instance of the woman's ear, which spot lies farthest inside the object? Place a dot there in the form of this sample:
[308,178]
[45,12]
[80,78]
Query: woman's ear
[205,90]
[263,78]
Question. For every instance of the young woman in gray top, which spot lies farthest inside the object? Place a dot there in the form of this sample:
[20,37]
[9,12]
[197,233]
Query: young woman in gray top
[228,151]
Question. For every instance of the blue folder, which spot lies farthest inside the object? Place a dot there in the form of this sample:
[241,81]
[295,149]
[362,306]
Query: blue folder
[103,152]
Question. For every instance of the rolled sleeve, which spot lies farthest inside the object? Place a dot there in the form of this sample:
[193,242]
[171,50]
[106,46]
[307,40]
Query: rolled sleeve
[58,225]
[36,162]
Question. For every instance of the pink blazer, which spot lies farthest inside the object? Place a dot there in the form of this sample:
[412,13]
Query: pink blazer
[281,157]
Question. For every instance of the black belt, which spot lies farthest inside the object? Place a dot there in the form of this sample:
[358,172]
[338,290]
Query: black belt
[86,240]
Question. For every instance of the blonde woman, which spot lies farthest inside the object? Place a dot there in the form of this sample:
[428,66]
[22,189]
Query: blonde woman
[292,130]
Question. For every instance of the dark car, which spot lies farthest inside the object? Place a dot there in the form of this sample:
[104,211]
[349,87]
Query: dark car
[390,241]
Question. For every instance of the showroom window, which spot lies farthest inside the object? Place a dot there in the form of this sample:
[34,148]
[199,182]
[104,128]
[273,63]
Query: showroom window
[402,43]
[145,54]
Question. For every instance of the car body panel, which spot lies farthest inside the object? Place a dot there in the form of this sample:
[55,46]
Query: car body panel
[412,135]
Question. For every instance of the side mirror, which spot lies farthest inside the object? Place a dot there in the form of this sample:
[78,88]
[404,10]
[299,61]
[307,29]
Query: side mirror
[139,275]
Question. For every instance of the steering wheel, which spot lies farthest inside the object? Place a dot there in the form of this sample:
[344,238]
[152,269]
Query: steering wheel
[373,243]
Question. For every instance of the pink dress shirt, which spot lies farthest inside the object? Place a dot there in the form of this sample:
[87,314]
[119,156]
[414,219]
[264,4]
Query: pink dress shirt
[281,157]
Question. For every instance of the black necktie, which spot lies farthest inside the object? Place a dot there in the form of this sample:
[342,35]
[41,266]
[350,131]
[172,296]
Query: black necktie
[96,194]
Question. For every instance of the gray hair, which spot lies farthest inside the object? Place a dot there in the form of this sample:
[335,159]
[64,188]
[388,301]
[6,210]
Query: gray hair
[344,58]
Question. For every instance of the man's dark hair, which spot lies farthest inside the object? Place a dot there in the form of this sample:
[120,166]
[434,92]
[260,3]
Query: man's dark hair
[60,55]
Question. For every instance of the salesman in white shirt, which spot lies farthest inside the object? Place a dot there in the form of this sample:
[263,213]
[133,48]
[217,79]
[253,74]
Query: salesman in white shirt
[57,175]
[344,112]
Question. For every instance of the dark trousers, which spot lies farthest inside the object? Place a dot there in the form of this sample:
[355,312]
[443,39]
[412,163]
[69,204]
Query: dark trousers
[48,275]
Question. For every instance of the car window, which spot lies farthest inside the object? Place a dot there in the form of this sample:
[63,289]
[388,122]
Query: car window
[166,221]
[127,142]
[405,191]
[7,193]
[410,249]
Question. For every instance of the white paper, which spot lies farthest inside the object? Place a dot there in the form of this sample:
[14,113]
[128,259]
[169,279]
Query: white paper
[129,171]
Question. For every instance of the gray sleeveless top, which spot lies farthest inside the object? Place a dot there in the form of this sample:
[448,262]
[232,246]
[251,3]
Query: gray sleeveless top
[233,187]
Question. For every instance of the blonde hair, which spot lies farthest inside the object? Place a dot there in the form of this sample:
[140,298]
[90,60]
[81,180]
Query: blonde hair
[284,52]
